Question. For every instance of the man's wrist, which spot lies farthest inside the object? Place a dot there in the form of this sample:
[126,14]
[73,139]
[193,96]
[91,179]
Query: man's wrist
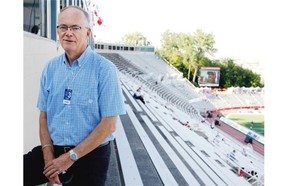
[46,145]
[73,155]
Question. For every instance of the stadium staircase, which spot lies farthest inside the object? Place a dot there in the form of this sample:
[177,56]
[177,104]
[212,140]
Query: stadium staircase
[153,147]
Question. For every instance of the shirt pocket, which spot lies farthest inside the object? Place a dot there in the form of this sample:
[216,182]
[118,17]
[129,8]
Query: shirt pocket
[87,99]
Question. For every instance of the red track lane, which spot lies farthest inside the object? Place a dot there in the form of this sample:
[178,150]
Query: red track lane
[258,147]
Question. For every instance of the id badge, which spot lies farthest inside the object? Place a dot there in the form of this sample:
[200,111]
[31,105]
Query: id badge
[67,96]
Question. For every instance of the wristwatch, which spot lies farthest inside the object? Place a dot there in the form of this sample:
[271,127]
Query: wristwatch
[73,155]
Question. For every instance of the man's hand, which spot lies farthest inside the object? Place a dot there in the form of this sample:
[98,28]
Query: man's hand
[57,166]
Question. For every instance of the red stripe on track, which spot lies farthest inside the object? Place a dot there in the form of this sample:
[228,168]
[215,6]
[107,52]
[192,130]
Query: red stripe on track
[258,147]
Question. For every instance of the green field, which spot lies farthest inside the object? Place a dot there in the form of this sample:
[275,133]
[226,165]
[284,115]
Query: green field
[247,119]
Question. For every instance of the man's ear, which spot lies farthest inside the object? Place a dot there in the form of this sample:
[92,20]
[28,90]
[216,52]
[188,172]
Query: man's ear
[88,32]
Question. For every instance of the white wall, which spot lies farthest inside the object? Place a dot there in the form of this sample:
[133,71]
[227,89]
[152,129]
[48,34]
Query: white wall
[37,51]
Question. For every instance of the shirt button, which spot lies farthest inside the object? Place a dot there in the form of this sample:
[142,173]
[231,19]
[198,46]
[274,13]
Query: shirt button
[90,101]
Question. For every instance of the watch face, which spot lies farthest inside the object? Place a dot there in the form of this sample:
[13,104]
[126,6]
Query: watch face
[73,155]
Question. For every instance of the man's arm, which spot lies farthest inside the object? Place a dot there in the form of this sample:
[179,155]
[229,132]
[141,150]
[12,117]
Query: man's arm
[45,139]
[106,127]
[96,137]
[46,143]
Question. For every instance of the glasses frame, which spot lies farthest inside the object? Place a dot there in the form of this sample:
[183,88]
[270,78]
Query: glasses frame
[73,28]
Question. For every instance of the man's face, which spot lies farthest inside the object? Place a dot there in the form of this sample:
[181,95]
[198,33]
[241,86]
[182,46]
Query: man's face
[211,77]
[75,38]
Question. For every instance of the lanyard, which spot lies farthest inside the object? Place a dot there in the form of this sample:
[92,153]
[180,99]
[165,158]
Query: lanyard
[80,68]
[68,90]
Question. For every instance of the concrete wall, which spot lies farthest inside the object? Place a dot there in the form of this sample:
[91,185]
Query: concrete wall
[37,51]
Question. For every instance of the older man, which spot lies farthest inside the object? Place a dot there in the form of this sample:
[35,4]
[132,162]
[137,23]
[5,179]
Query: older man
[80,100]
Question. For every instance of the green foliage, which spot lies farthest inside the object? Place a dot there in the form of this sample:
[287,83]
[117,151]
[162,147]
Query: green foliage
[233,75]
[186,51]
[135,38]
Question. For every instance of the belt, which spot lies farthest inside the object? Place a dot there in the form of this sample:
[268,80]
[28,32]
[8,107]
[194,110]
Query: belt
[68,148]
[103,144]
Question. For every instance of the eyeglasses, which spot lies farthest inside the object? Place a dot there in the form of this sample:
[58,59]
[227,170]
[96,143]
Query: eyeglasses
[73,28]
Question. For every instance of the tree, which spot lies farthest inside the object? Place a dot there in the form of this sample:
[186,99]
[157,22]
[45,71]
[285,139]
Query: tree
[187,52]
[203,44]
[233,75]
[135,38]
[187,49]
[170,48]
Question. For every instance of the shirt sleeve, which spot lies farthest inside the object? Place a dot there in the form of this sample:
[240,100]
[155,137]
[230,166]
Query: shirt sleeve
[110,93]
[43,92]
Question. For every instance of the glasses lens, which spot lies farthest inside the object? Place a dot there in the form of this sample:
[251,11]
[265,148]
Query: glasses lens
[75,28]
[63,28]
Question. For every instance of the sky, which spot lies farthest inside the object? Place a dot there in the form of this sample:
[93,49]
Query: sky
[240,28]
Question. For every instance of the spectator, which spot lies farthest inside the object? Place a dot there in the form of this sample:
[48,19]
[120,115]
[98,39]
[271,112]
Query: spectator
[209,114]
[187,124]
[248,139]
[138,95]
[250,169]
[216,122]
[242,172]
[212,125]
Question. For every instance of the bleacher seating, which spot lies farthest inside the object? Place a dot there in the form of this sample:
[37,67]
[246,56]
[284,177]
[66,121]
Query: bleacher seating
[127,67]
[162,151]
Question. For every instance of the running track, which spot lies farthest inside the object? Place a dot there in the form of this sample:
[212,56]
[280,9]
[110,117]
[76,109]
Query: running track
[258,147]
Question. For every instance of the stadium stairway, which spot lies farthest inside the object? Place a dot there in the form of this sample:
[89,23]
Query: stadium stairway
[129,69]
[153,148]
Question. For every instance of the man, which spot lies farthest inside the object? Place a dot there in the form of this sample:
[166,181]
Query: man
[79,101]
[138,95]
[211,77]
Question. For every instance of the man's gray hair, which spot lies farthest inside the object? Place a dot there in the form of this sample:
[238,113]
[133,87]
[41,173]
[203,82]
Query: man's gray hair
[81,9]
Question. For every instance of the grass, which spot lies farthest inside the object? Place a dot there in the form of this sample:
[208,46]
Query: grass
[247,119]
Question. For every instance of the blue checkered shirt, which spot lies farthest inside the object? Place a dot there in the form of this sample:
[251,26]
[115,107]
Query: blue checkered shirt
[96,93]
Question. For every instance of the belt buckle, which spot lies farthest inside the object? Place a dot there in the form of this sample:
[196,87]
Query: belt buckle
[66,149]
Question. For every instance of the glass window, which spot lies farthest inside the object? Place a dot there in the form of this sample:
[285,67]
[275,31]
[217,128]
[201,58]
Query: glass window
[35,17]
[31,17]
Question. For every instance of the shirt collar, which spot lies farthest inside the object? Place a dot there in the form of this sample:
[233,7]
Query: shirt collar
[81,60]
